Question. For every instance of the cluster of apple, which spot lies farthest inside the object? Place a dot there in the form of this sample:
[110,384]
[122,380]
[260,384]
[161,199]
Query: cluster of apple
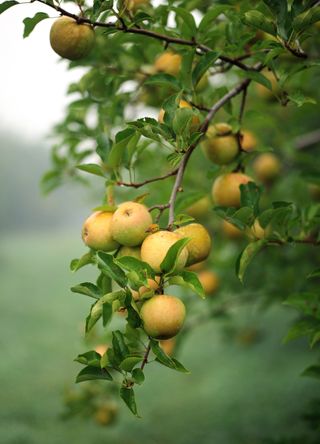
[129,231]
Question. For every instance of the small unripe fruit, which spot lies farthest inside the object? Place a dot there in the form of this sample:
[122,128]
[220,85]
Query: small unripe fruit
[71,40]
[226,189]
[220,145]
[169,63]
[209,281]
[96,232]
[129,251]
[267,167]
[199,245]
[200,208]
[195,122]
[129,223]
[248,141]
[156,246]
[163,316]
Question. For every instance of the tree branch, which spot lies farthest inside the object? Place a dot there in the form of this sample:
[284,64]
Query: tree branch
[307,140]
[145,182]
[146,355]
[152,34]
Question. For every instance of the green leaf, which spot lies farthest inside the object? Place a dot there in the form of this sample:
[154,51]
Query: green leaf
[312,372]
[119,346]
[306,303]
[131,263]
[307,19]
[190,280]
[257,77]
[258,20]
[298,98]
[127,394]
[138,376]
[164,80]
[117,152]
[86,259]
[106,313]
[91,358]
[169,263]
[103,147]
[182,121]
[304,327]
[250,196]
[6,5]
[92,373]
[91,168]
[108,266]
[210,16]
[88,289]
[314,274]
[31,23]
[203,65]
[164,359]
[247,255]
[182,219]
[190,28]
[129,363]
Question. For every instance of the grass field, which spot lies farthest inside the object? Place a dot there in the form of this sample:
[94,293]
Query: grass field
[235,394]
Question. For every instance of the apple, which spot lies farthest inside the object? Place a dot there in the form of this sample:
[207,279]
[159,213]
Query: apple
[130,223]
[156,246]
[71,40]
[199,245]
[163,316]
[96,232]
[226,189]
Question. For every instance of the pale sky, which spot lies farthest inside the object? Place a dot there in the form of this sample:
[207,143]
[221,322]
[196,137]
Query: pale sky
[33,78]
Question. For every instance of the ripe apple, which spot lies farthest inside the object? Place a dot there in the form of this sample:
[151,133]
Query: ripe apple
[129,223]
[168,62]
[163,316]
[195,122]
[220,145]
[71,40]
[156,246]
[248,141]
[96,232]
[199,245]
[209,281]
[267,167]
[226,189]
[101,349]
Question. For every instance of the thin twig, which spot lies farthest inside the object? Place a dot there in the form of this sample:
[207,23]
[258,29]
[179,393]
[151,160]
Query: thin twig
[145,182]
[146,355]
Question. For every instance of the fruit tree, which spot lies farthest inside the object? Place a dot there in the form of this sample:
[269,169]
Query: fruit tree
[200,119]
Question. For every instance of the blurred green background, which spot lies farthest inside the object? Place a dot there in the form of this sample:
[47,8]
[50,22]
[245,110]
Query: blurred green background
[236,392]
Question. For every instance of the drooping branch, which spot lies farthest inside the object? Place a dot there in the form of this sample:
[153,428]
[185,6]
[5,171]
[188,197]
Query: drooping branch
[146,32]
